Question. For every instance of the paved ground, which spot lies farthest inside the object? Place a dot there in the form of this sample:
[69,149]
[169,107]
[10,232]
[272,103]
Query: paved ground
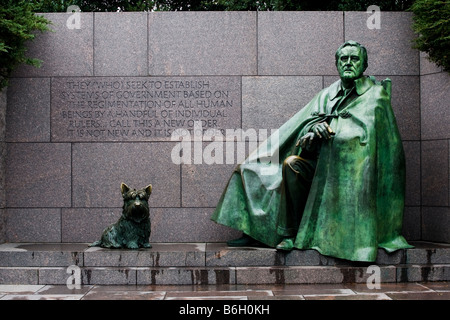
[387,291]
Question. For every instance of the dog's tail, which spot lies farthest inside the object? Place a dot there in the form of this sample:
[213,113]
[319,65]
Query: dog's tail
[97,243]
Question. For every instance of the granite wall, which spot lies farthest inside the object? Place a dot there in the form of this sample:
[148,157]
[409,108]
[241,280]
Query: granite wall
[435,153]
[3,97]
[103,106]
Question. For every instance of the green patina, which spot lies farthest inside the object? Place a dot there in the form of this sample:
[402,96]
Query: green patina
[354,204]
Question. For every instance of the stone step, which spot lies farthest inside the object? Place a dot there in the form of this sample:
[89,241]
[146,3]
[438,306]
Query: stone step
[211,263]
[223,275]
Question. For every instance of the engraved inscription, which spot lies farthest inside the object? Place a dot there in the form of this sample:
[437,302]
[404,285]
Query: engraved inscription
[141,108]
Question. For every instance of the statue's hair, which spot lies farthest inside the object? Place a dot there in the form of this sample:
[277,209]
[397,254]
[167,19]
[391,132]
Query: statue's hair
[354,44]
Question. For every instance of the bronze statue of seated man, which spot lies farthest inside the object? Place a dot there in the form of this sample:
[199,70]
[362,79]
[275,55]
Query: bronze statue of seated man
[341,186]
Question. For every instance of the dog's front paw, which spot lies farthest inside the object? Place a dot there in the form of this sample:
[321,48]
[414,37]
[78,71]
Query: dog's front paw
[132,245]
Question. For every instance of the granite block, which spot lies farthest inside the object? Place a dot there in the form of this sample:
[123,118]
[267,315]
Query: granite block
[188,225]
[186,276]
[2,174]
[86,224]
[438,254]
[54,275]
[268,102]
[38,175]
[435,224]
[2,171]
[3,105]
[33,225]
[38,255]
[304,258]
[423,273]
[368,274]
[2,167]
[2,225]
[202,185]
[202,43]
[219,158]
[100,276]
[18,275]
[298,43]
[64,51]
[109,276]
[28,113]
[405,101]
[117,109]
[435,173]
[435,105]
[312,274]
[160,255]
[426,66]
[390,258]
[412,229]
[389,48]
[74,248]
[100,168]
[289,275]
[413,179]
[120,44]
[314,258]
[219,254]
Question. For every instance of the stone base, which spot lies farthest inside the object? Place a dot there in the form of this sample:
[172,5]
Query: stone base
[212,263]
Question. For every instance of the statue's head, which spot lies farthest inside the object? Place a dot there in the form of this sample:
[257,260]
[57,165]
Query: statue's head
[351,60]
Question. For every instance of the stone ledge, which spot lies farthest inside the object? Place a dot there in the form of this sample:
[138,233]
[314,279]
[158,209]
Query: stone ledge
[199,255]
[224,275]
[211,263]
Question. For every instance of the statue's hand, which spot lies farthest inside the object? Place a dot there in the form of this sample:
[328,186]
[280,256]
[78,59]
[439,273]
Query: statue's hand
[320,130]
[306,140]
[323,130]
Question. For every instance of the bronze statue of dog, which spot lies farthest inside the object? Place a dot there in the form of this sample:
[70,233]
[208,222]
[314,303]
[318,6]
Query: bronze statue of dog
[133,229]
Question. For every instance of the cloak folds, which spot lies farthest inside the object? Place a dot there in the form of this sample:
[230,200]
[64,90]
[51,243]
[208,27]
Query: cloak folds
[356,201]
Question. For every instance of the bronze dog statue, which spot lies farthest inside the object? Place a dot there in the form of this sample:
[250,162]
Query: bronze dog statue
[132,230]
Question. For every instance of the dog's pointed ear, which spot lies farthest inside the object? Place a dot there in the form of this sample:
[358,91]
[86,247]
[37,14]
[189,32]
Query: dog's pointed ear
[148,189]
[124,188]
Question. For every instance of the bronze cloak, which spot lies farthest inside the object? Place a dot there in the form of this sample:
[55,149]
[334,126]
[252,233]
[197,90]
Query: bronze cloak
[356,201]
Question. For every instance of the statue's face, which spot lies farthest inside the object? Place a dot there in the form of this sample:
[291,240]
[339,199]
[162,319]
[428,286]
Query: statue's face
[350,63]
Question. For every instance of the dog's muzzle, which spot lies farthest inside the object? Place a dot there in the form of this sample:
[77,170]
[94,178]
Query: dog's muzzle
[138,211]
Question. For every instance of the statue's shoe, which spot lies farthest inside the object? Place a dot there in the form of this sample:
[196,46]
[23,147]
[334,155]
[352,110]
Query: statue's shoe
[285,245]
[244,241]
